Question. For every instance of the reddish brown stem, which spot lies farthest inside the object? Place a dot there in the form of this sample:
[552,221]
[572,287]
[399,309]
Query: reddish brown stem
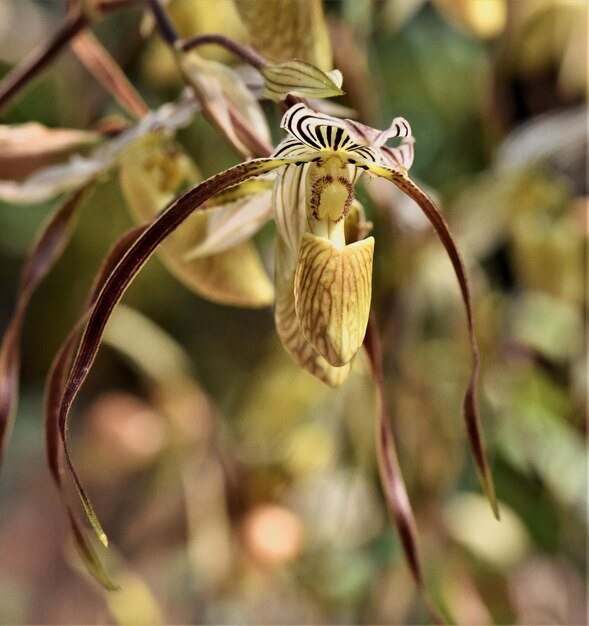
[41,57]
[108,73]
[245,53]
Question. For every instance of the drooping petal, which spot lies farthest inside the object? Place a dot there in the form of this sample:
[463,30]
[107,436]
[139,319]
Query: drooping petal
[132,252]
[333,288]
[56,425]
[391,476]
[470,405]
[288,328]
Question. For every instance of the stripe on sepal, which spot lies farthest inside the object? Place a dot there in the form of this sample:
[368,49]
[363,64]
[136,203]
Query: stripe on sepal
[333,288]
[299,78]
[288,203]
[362,143]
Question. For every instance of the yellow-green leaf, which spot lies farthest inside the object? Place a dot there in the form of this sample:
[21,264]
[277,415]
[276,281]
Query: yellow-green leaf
[333,288]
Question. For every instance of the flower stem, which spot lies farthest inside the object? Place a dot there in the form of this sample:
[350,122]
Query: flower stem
[245,53]
[165,27]
[41,57]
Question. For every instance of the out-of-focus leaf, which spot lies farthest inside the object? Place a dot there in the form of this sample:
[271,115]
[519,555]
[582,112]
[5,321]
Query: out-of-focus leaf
[228,103]
[107,71]
[467,522]
[49,182]
[301,79]
[557,139]
[16,43]
[484,19]
[549,35]
[190,18]
[134,603]
[288,29]
[470,405]
[150,178]
[535,434]
[549,325]
[236,219]
[45,251]
[42,55]
[145,343]
[548,255]
[396,14]
[25,148]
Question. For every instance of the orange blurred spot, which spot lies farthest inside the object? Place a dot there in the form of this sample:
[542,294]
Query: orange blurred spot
[273,534]
[127,429]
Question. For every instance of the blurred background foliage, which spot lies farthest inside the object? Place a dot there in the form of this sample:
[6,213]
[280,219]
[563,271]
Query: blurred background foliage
[234,486]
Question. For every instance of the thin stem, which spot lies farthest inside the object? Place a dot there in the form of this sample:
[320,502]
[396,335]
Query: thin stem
[108,73]
[245,53]
[165,27]
[258,146]
[41,57]
[106,6]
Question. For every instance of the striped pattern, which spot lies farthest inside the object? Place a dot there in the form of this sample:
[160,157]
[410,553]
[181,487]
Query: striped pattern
[312,133]
[288,201]
[298,78]
[287,326]
[323,132]
[332,290]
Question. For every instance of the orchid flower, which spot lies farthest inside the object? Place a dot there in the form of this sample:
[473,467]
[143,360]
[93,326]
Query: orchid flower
[323,264]
[323,279]
[323,272]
